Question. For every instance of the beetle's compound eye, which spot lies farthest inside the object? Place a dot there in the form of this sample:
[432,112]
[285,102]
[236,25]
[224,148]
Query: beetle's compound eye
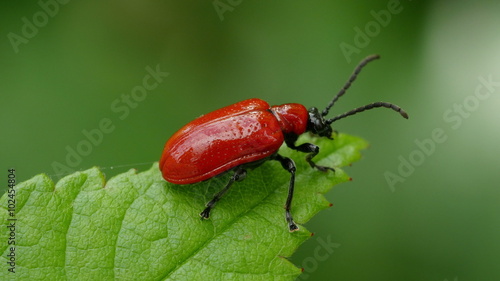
[317,125]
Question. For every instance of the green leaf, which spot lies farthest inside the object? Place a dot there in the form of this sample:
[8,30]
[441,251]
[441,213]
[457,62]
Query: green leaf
[139,227]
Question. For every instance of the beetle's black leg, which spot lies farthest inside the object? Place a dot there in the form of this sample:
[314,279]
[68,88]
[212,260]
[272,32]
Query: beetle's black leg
[239,175]
[310,148]
[288,165]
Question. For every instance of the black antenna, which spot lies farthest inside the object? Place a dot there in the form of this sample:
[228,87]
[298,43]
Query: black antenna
[367,107]
[353,77]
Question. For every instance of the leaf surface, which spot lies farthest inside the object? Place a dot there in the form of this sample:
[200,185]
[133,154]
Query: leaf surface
[136,226]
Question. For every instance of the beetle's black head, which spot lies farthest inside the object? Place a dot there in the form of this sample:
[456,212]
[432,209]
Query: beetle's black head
[318,125]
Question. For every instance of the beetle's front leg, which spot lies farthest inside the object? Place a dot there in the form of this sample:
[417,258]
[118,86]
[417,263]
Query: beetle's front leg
[313,150]
[310,148]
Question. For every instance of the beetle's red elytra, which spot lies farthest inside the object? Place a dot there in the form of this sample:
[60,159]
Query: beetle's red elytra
[246,134]
[241,133]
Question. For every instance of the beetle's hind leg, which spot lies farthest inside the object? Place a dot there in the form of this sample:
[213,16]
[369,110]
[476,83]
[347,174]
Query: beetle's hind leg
[238,175]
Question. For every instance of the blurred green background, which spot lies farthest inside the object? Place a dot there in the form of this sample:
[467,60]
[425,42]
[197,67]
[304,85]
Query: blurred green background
[64,68]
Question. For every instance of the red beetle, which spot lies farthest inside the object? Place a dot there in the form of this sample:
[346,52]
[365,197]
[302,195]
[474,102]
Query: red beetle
[246,134]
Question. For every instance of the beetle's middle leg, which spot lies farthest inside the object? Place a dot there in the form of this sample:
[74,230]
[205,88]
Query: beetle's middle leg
[288,165]
[239,175]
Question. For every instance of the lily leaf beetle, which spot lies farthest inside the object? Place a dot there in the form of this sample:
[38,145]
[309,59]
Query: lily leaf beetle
[248,133]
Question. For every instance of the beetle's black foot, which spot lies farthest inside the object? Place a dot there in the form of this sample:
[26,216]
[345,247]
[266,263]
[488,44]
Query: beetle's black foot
[291,224]
[323,168]
[206,213]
